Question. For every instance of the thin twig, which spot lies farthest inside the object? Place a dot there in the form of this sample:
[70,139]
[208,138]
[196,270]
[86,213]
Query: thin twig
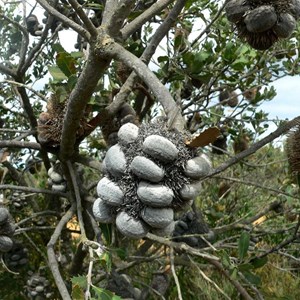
[65,20]
[25,86]
[87,294]
[174,273]
[85,19]
[254,147]
[78,199]
[144,17]
[52,261]
[32,190]
[181,247]
[209,280]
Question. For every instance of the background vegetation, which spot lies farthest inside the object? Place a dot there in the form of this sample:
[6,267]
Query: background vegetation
[61,109]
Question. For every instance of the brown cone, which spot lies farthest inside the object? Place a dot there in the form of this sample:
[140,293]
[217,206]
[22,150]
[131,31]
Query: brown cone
[293,149]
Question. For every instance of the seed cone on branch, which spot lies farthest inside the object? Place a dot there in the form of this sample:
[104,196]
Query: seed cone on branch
[262,22]
[50,123]
[293,149]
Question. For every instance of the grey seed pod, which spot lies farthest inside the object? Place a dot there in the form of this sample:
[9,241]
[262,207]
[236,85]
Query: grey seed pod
[198,167]
[128,133]
[15,257]
[50,171]
[285,26]
[39,288]
[115,161]
[6,243]
[8,228]
[166,231]
[104,168]
[190,191]
[261,18]
[4,214]
[109,192]
[59,187]
[235,10]
[102,211]
[158,217]
[160,148]
[56,177]
[155,195]
[130,227]
[295,9]
[146,169]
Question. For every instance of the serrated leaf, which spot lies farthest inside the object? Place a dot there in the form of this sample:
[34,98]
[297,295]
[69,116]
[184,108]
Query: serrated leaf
[80,281]
[243,244]
[103,294]
[77,292]
[66,63]
[57,74]
[259,262]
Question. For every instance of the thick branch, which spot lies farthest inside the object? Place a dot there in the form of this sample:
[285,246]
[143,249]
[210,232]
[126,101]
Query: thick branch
[7,71]
[139,21]
[14,173]
[115,19]
[146,56]
[158,89]
[92,163]
[27,106]
[19,144]
[77,102]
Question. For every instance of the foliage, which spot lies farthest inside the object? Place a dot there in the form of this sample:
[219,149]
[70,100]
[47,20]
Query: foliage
[251,207]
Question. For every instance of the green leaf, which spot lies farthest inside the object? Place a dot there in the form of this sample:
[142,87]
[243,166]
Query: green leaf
[259,262]
[57,74]
[80,281]
[66,63]
[103,294]
[58,48]
[72,80]
[106,258]
[106,232]
[77,292]
[162,59]
[121,252]
[243,244]
[252,278]
[245,267]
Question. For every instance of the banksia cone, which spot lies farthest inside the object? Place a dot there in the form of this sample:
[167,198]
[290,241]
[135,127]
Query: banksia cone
[262,22]
[293,149]
[149,174]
